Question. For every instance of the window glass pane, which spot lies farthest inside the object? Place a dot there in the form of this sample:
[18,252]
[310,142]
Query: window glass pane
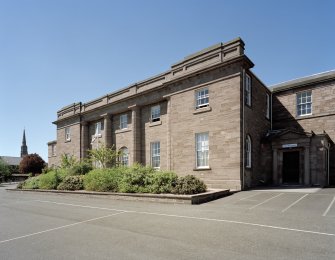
[304,103]
[67,134]
[155,154]
[123,121]
[124,156]
[202,150]
[202,98]
[155,113]
[248,151]
[97,128]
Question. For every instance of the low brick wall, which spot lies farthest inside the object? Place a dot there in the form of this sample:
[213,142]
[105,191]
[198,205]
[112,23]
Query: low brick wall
[167,198]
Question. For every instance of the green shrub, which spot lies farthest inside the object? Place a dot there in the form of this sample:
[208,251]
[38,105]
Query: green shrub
[4,169]
[189,185]
[137,178]
[103,179]
[80,168]
[48,181]
[163,182]
[72,183]
[31,183]
[61,173]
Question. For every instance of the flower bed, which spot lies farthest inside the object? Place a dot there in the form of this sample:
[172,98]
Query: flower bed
[134,179]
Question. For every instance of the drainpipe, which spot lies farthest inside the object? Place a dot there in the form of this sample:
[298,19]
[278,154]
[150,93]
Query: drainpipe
[328,151]
[80,138]
[271,111]
[243,144]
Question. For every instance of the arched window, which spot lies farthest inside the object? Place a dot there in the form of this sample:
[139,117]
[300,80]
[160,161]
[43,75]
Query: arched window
[248,150]
[124,156]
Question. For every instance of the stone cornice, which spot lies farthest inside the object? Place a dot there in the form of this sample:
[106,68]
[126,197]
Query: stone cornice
[211,58]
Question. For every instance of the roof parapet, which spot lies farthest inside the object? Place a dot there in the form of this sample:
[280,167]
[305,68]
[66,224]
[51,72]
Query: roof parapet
[216,54]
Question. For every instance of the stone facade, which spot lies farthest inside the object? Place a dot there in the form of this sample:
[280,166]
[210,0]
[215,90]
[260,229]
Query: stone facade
[320,123]
[221,73]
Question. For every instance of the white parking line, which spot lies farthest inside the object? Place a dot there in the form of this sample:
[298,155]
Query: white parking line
[291,205]
[61,227]
[330,205]
[197,218]
[265,201]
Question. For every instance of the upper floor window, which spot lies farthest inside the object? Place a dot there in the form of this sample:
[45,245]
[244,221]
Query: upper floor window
[98,127]
[156,154]
[202,150]
[304,103]
[123,121]
[53,150]
[124,158]
[248,149]
[67,134]
[267,113]
[202,98]
[155,113]
[247,82]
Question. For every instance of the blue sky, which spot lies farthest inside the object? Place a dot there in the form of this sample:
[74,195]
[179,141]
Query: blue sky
[54,53]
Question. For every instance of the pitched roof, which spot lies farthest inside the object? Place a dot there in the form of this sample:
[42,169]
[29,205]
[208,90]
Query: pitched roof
[304,81]
[11,160]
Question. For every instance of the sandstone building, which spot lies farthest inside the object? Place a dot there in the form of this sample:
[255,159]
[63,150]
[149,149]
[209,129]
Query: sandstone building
[210,116]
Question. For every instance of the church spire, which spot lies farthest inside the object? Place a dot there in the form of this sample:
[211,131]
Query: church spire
[24,148]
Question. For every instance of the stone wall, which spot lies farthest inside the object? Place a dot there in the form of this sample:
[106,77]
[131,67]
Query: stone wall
[257,125]
[322,118]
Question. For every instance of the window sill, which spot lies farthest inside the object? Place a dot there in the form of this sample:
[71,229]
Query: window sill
[202,110]
[67,141]
[155,123]
[304,116]
[202,169]
[122,131]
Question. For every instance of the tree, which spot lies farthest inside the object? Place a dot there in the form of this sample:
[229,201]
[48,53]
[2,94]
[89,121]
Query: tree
[4,169]
[32,163]
[104,156]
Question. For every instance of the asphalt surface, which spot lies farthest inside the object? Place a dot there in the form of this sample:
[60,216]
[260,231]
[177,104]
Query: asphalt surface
[258,224]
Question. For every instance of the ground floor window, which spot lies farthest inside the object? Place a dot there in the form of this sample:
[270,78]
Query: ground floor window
[155,154]
[248,152]
[124,158]
[202,149]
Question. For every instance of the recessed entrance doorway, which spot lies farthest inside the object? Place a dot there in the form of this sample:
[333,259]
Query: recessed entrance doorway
[291,167]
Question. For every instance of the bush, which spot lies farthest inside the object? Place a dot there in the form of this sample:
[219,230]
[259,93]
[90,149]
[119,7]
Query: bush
[31,163]
[80,168]
[4,169]
[103,179]
[163,182]
[49,181]
[72,183]
[31,183]
[137,178]
[61,173]
[189,185]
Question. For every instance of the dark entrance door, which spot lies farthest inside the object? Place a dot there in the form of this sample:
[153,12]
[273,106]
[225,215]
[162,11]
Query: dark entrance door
[291,167]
